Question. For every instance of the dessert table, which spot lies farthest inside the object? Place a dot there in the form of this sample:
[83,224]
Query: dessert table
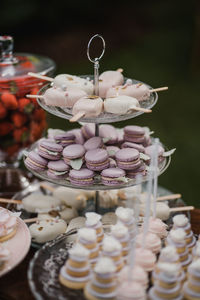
[14,285]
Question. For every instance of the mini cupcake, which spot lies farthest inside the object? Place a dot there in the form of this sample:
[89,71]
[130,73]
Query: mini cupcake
[93,221]
[87,237]
[113,249]
[136,274]
[145,259]
[76,271]
[152,242]
[120,232]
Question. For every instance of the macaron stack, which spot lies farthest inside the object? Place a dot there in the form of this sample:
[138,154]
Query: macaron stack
[112,158]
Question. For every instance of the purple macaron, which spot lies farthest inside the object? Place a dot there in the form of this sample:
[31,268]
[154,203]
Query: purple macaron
[109,133]
[57,169]
[79,138]
[97,159]
[50,150]
[65,139]
[141,170]
[138,147]
[73,152]
[113,163]
[82,177]
[35,162]
[151,149]
[93,143]
[88,130]
[134,134]
[112,176]
[128,158]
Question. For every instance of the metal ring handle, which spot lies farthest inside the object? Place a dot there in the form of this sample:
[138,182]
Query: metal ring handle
[88,48]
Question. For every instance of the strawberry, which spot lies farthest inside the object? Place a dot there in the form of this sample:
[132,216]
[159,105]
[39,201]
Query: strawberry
[3,111]
[25,105]
[5,128]
[9,100]
[18,119]
[39,114]
[21,134]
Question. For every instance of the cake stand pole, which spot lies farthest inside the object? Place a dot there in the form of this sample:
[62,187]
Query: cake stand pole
[95,61]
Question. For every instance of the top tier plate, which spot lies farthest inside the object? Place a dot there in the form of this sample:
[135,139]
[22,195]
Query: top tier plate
[66,113]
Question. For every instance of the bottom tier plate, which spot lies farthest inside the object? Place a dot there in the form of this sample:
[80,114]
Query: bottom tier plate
[45,266]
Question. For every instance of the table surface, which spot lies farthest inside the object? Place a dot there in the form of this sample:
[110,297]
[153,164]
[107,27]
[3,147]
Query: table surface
[14,285]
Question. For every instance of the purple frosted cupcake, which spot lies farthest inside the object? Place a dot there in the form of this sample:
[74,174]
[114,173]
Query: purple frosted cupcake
[65,139]
[50,150]
[93,143]
[113,176]
[134,134]
[82,177]
[57,169]
[35,162]
[97,159]
[138,147]
[128,159]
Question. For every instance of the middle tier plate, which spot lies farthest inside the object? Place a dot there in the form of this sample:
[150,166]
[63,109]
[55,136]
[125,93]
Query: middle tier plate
[66,113]
[97,182]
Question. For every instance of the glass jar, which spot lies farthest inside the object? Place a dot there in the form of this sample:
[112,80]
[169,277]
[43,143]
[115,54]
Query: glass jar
[22,121]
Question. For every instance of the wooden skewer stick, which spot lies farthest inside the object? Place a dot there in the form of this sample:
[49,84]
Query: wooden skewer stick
[40,76]
[145,110]
[47,187]
[77,117]
[120,70]
[35,96]
[164,88]
[31,220]
[184,208]
[169,197]
[11,201]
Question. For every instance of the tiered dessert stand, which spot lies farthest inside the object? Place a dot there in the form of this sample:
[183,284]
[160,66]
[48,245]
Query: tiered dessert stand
[102,118]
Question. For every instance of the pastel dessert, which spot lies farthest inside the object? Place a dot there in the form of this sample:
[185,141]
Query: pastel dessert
[65,213]
[47,230]
[191,288]
[50,150]
[169,255]
[88,106]
[73,152]
[141,170]
[87,237]
[93,143]
[181,221]
[58,169]
[108,133]
[167,286]
[139,91]
[97,159]
[130,291]
[51,132]
[145,258]
[136,274]
[71,197]
[103,284]
[176,237]
[134,134]
[8,225]
[138,147]
[88,130]
[156,226]
[39,203]
[121,105]
[196,251]
[108,79]
[151,149]
[128,158]
[82,177]
[65,139]
[108,199]
[112,248]
[112,150]
[79,138]
[76,271]
[126,217]
[4,256]
[113,163]
[35,162]
[93,220]
[113,176]
[68,81]
[120,233]
[162,210]
[152,242]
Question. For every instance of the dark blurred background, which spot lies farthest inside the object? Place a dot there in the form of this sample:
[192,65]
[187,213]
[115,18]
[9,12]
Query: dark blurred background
[157,42]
